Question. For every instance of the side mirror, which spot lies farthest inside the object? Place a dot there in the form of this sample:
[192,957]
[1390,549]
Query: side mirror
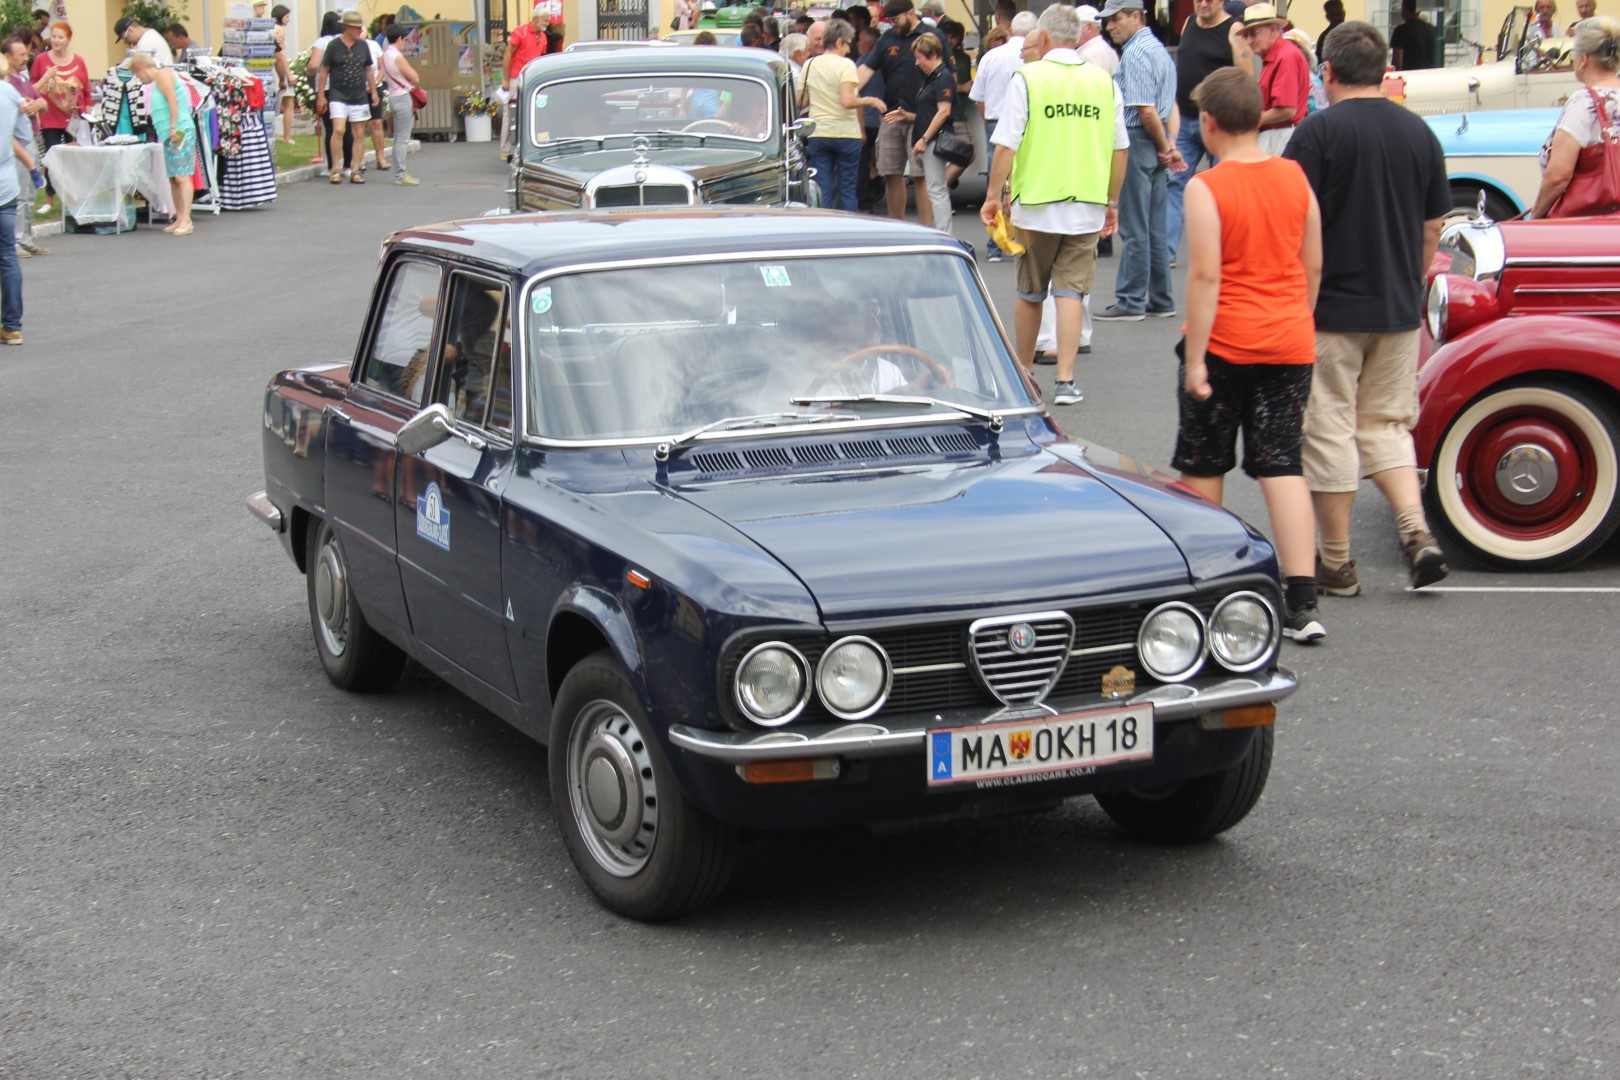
[806,128]
[425,430]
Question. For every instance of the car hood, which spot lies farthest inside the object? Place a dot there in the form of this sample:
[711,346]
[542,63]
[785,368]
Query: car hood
[1502,131]
[946,536]
[702,162]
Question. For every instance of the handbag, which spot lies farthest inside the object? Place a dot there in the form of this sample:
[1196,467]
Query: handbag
[1595,187]
[419,99]
[952,148]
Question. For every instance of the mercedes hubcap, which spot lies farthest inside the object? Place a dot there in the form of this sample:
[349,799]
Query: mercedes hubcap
[1526,474]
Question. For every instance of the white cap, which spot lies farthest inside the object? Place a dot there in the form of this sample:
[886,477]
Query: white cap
[1088,14]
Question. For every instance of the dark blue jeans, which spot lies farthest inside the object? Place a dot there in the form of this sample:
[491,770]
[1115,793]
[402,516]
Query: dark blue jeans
[1143,280]
[837,163]
[11,300]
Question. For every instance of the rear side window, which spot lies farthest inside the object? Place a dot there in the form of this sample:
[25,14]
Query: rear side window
[398,361]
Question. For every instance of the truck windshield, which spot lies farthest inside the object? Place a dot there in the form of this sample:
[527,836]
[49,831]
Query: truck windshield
[624,105]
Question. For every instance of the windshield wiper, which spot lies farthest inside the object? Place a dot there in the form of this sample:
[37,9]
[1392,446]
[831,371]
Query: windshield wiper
[599,140]
[698,135]
[732,423]
[991,418]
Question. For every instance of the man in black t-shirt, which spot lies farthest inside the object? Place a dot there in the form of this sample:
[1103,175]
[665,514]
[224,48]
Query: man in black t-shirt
[346,88]
[892,58]
[1210,40]
[1412,43]
[1380,177]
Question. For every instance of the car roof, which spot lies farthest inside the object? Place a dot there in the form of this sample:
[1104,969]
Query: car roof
[529,244]
[703,59]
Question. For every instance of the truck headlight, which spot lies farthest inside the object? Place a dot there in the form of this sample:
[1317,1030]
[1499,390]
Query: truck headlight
[1171,642]
[772,684]
[853,678]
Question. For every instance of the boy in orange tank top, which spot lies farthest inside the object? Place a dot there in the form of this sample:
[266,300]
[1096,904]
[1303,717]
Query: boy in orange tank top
[1254,236]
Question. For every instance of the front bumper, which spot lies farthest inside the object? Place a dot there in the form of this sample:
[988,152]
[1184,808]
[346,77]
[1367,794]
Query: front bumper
[1197,698]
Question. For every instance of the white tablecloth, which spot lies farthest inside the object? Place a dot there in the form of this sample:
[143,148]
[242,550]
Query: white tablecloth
[94,181]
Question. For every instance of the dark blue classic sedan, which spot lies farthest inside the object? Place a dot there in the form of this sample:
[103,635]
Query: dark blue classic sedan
[752,519]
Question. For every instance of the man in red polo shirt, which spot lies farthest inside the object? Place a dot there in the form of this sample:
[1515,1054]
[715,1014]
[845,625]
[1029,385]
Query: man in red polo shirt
[1285,81]
[522,45]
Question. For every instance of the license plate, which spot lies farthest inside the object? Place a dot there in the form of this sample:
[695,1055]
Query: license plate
[1010,752]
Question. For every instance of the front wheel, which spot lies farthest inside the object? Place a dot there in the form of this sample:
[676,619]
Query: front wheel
[353,654]
[1526,477]
[644,850]
[1196,809]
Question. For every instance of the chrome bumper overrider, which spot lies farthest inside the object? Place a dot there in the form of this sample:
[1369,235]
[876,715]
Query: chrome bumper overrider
[260,506]
[1179,701]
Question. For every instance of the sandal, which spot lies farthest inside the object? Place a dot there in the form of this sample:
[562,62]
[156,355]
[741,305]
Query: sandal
[356,178]
[337,177]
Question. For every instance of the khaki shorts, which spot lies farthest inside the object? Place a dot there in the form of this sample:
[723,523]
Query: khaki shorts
[1363,405]
[1058,263]
[894,145]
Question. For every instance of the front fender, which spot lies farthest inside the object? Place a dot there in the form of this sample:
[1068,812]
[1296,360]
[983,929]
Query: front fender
[1510,348]
[606,613]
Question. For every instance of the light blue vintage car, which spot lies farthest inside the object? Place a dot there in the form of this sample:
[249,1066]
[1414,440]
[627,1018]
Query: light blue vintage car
[1495,152]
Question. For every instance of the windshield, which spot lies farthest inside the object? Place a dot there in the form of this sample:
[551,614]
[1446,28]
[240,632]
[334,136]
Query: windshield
[699,104]
[659,350]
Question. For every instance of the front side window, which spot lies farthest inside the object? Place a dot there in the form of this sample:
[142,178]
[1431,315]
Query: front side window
[628,105]
[398,360]
[475,347]
[654,351]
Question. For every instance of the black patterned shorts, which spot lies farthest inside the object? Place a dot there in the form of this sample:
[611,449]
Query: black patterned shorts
[1266,400]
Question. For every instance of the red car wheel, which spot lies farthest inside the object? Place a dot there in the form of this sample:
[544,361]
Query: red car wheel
[1526,476]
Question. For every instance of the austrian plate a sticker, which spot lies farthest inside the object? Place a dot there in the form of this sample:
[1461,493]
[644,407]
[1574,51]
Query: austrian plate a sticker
[1010,752]
[433,518]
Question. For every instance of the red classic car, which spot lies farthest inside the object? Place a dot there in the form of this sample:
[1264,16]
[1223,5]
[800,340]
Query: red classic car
[1519,401]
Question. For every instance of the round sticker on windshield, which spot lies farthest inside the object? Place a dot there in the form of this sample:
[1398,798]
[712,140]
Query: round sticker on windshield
[539,101]
[541,303]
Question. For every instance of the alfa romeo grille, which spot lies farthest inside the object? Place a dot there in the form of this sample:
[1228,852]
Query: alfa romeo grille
[1019,657]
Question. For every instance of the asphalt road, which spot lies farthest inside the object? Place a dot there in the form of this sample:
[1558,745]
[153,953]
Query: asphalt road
[215,864]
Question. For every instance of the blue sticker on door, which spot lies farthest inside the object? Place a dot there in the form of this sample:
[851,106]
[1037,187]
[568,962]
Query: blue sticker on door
[433,518]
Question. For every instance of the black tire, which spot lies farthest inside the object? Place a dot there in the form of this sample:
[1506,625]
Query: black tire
[354,655]
[1195,809]
[644,850]
[1546,518]
[1465,201]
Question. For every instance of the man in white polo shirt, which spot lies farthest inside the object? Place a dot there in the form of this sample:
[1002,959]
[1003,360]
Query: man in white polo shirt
[990,82]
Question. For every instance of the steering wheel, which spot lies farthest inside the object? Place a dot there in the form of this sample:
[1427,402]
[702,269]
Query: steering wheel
[939,376]
[724,126]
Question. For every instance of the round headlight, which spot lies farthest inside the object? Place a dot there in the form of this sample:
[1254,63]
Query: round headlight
[1242,631]
[1171,642]
[853,678]
[1436,308]
[772,683]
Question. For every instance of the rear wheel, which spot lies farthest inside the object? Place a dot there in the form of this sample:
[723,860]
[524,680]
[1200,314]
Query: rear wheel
[354,655]
[1197,809]
[644,850]
[1527,477]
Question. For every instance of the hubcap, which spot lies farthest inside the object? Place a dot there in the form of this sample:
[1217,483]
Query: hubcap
[1526,474]
[332,599]
[611,788]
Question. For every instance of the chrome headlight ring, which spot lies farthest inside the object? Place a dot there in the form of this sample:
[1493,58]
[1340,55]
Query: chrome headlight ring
[1266,652]
[797,700]
[1183,614]
[884,681]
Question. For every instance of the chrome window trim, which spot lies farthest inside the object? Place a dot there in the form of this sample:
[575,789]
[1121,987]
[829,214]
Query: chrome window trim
[888,678]
[1267,654]
[792,714]
[533,111]
[531,438]
[1203,642]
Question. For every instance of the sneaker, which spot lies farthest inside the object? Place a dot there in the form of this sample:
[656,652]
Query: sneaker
[1114,313]
[1085,350]
[406,180]
[10,337]
[43,209]
[994,256]
[1044,357]
[23,252]
[1066,393]
[1340,582]
[1425,564]
[1161,313]
[35,249]
[1304,625]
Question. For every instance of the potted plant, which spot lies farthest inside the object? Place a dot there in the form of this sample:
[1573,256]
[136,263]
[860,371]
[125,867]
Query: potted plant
[477,114]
